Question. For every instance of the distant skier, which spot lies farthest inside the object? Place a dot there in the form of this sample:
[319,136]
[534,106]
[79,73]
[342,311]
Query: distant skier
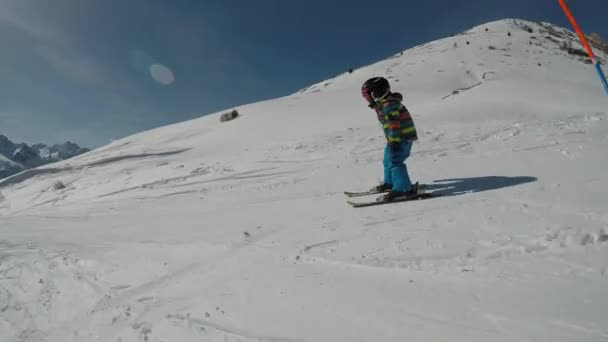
[400,134]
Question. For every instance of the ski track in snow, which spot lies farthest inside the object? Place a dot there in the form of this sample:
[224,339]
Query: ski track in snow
[179,235]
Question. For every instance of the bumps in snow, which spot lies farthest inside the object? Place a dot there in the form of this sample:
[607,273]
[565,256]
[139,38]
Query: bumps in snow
[229,116]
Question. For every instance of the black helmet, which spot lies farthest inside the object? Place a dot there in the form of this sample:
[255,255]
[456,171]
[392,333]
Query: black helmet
[375,89]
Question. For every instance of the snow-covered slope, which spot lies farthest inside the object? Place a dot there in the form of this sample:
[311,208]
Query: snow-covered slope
[239,231]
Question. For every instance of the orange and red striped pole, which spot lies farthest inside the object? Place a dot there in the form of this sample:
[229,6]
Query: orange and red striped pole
[585,42]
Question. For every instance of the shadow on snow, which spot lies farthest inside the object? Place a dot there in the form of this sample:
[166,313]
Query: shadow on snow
[460,186]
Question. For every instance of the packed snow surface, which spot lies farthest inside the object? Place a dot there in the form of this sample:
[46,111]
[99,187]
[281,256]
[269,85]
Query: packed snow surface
[239,231]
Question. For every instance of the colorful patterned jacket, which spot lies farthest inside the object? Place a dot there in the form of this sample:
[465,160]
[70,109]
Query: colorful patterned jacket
[395,119]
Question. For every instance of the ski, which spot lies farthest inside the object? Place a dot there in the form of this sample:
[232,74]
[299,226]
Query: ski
[396,200]
[364,193]
[375,192]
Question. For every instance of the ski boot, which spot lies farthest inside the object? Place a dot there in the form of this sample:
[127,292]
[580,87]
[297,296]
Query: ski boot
[400,194]
[382,187]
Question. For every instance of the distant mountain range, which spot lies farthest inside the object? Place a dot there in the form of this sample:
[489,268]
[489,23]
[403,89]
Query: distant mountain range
[16,157]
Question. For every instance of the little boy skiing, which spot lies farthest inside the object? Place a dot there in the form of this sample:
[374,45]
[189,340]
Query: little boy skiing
[400,134]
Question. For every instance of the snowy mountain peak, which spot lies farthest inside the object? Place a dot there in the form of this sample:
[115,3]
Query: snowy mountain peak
[18,157]
[506,25]
[60,152]
[476,56]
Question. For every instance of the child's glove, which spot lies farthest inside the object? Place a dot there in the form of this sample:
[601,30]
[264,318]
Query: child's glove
[395,146]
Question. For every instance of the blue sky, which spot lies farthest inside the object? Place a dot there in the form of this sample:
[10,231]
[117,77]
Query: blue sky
[97,70]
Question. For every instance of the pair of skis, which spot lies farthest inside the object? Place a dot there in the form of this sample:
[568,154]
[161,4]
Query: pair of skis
[379,201]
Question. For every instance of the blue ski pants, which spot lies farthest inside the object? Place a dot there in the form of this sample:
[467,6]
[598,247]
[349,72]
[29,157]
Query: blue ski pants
[395,170]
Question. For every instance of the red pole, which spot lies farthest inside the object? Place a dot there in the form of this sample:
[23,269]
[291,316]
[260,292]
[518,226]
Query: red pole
[577,28]
[581,35]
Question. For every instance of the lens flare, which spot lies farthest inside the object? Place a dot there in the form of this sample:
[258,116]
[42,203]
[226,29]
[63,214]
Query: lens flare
[162,74]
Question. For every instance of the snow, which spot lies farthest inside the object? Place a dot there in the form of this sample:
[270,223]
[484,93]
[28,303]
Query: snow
[239,231]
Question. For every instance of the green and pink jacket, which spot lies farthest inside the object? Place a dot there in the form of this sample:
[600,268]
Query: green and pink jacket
[395,119]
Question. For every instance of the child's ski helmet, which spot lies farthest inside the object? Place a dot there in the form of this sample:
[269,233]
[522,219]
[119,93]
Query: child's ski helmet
[375,89]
